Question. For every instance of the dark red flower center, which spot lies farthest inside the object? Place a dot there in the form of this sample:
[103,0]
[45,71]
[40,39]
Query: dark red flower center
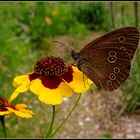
[50,66]
[3,104]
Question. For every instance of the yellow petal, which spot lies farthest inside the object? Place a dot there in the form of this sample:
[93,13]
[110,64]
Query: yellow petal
[65,90]
[23,88]
[19,80]
[46,95]
[36,86]
[13,96]
[50,96]
[5,112]
[20,106]
[24,113]
[80,82]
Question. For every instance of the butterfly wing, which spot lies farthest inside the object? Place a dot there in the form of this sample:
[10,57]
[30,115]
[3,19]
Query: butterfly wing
[105,70]
[107,60]
[124,38]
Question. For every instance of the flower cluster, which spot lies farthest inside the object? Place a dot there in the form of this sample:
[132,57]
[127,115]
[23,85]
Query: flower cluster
[51,80]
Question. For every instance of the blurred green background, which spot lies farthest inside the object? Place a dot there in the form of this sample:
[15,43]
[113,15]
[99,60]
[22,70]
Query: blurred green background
[27,30]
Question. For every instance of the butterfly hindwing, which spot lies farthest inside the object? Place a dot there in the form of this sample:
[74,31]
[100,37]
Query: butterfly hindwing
[107,71]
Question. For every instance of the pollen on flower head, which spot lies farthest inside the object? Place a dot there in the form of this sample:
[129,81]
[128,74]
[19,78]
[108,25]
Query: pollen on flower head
[50,66]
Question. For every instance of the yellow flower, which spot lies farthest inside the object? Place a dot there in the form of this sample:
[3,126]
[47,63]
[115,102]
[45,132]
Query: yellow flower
[51,80]
[7,108]
[55,13]
[48,20]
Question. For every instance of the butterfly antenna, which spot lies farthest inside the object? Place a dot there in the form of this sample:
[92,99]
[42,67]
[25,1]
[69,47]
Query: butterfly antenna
[72,49]
[63,44]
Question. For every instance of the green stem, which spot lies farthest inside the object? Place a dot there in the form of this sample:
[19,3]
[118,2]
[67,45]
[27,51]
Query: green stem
[66,118]
[51,125]
[3,125]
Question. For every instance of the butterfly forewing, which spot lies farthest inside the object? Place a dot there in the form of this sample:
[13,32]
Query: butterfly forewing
[124,38]
[107,60]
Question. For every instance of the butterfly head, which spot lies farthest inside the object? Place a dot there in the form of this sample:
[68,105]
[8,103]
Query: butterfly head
[75,55]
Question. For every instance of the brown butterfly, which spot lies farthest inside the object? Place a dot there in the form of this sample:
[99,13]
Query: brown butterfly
[107,60]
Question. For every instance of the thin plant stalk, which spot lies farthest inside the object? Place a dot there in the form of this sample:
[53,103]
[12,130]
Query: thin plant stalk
[2,119]
[66,118]
[52,122]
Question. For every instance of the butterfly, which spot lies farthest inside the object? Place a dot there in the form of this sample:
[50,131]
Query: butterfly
[107,60]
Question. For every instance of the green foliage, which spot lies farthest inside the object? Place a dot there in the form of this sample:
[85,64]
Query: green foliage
[44,20]
[106,136]
[91,14]
[38,20]
[78,27]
